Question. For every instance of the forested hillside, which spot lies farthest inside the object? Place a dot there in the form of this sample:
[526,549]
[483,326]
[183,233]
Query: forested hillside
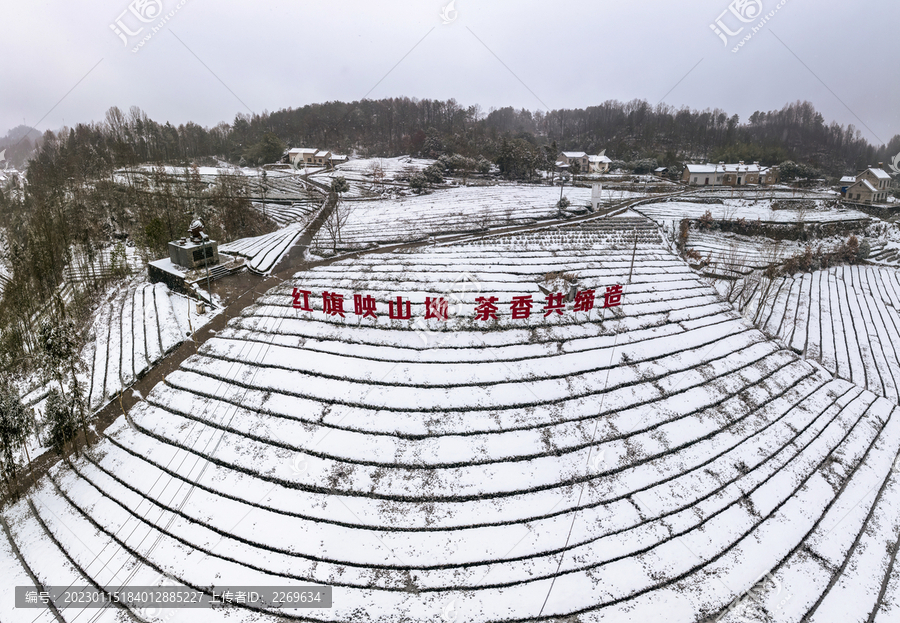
[395,126]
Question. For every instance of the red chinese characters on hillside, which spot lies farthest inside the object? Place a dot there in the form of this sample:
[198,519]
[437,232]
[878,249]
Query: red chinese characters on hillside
[436,308]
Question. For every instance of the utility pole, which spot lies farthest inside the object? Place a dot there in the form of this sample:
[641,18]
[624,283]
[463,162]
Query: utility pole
[206,262]
[562,183]
[633,254]
[264,175]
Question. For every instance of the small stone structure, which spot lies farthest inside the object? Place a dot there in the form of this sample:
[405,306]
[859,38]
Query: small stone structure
[596,196]
[196,251]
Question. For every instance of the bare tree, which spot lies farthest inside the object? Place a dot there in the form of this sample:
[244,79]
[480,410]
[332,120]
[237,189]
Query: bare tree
[732,263]
[336,220]
[376,170]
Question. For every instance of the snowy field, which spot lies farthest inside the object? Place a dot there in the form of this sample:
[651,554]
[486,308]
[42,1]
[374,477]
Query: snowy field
[777,191]
[618,232]
[103,264]
[648,462]
[130,332]
[360,186]
[885,245]
[886,253]
[283,185]
[358,173]
[283,215]
[132,329]
[149,169]
[264,252]
[280,185]
[749,209]
[733,254]
[446,211]
[845,318]
[392,167]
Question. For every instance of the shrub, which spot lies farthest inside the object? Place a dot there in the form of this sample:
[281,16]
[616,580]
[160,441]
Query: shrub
[683,231]
[850,252]
[864,250]
[417,182]
[433,174]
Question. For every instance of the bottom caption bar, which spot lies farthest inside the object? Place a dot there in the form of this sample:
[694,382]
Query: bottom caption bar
[173,596]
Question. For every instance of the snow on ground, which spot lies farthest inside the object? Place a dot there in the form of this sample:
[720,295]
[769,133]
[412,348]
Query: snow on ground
[149,169]
[733,254]
[884,239]
[264,252]
[113,259]
[135,325]
[617,232]
[359,173]
[281,185]
[132,330]
[297,211]
[278,184]
[845,318]
[392,167]
[749,209]
[360,186]
[445,211]
[646,462]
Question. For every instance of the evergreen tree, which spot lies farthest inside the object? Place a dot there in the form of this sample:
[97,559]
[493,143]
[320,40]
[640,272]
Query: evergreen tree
[433,173]
[60,423]
[16,423]
[60,349]
[417,182]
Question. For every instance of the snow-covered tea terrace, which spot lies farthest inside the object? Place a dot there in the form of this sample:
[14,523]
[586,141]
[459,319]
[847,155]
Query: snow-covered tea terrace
[659,461]
[449,211]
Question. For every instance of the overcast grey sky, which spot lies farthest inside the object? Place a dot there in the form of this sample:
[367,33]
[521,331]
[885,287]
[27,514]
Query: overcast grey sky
[211,60]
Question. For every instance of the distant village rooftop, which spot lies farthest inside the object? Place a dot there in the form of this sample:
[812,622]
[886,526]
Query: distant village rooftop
[728,174]
[304,156]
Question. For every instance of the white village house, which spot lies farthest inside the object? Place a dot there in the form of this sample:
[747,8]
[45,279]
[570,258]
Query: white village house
[721,174]
[869,186]
[301,156]
[586,163]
